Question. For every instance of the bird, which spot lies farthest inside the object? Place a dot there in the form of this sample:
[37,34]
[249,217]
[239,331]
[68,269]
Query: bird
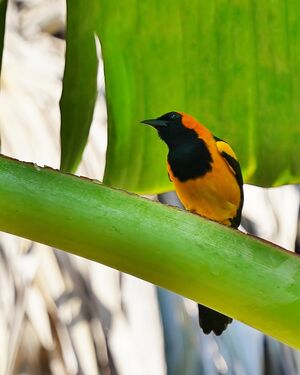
[208,181]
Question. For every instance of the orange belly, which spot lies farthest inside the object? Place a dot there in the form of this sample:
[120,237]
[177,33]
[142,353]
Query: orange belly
[216,195]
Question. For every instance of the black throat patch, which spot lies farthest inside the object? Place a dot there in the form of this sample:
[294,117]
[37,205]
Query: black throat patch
[190,160]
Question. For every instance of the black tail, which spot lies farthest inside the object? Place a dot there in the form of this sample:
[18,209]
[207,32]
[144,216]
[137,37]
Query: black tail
[211,320]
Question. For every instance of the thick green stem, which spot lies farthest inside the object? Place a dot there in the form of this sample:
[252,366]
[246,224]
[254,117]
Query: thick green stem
[236,274]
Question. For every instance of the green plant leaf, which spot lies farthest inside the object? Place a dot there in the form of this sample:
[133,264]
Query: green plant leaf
[79,83]
[3,6]
[233,65]
[234,273]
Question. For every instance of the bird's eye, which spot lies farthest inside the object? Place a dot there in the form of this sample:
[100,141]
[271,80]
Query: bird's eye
[170,116]
[174,116]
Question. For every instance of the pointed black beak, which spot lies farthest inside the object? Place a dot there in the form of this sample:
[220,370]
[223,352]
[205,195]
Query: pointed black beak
[155,122]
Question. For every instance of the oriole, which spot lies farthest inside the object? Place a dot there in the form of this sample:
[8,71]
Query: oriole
[208,181]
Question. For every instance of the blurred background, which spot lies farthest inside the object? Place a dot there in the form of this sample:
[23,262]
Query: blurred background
[61,314]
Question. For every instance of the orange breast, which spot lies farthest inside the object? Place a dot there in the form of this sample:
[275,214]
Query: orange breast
[216,195]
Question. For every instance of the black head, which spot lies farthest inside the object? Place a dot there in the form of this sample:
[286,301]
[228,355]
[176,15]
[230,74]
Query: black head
[165,120]
[188,155]
[171,129]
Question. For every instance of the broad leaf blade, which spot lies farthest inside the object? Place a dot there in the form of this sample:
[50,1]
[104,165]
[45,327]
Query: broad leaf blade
[249,279]
[233,65]
[79,84]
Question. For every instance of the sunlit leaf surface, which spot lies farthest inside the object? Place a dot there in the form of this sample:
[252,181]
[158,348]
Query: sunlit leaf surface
[79,83]
[233,65]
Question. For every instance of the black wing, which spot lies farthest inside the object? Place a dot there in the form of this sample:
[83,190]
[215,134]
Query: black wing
[230,157]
